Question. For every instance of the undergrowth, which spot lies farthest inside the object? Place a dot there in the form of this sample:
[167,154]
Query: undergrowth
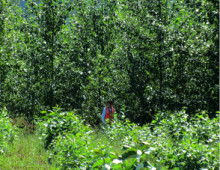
[62,140]
[24,150]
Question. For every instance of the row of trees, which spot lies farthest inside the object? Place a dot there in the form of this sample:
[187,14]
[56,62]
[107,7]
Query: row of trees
[146,55]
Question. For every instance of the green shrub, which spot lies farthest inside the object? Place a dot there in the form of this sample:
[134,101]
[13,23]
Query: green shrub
[173,141]
[106,149]
[73,151]
[187,142]
[7,132]
[58,123]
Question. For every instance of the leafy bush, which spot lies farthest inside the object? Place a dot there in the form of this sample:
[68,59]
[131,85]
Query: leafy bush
[7,131]
[73,151]
[187,142]
[86,150]
[174,140]
[58,123]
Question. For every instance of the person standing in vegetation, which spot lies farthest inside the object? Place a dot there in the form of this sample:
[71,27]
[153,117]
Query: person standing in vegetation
[108,113]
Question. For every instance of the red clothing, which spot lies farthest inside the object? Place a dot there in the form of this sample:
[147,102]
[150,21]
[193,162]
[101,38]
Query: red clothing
[109,115]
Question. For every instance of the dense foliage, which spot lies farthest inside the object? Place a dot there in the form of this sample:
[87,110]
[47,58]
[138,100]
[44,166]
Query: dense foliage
[153,58]
[55,123]
[7,132]
[171,141]
[146,55]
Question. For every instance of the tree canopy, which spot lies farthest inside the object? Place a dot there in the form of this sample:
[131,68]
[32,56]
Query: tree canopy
[147,56]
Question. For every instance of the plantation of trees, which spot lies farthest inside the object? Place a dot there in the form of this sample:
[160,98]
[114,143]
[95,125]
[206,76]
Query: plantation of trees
[61,60]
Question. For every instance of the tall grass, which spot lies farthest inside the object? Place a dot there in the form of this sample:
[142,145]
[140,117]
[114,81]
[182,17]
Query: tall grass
[26,152]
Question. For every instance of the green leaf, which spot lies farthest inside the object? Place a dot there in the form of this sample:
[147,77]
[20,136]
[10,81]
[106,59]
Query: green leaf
[98,164]
[131,153]
[43,112]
